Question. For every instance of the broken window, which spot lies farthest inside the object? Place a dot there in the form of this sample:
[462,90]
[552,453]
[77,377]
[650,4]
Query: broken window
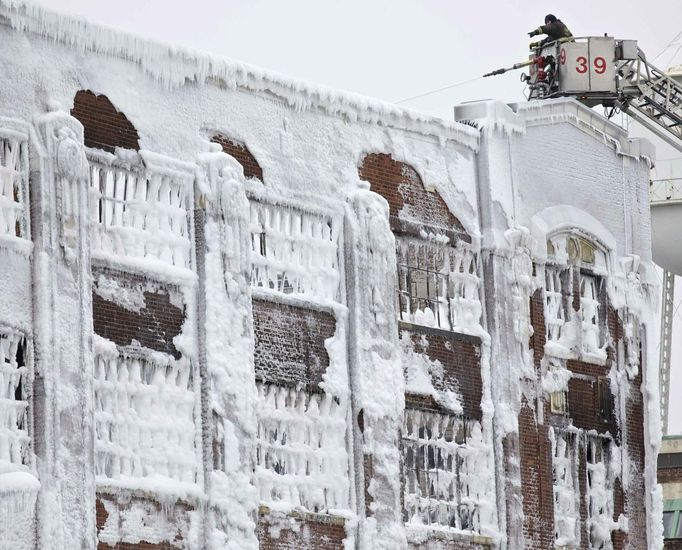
[444,470]
[300,455]
[599,491]
[437,284]
[144,418]
[14,389]
[565,489]
[294,251]
[13,187]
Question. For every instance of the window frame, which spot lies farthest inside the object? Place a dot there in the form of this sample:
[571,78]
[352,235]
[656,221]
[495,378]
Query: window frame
[580,263]
[460,514]
[23,420]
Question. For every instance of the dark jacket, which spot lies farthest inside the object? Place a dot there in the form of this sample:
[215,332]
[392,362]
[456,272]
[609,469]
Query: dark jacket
[554,31]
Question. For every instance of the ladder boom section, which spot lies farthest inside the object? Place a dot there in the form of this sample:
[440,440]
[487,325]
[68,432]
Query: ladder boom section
[653,95]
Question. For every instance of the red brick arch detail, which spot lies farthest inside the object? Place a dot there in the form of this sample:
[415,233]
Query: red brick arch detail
[105,126]
[400,184]
[242,155]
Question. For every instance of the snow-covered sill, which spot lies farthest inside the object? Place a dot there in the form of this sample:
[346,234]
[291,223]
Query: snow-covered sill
[339,517]
[450,334]
[419,534]
[322,206]
[16,244]
[147,267]
[299,300]
[159,489]
[552,349]
[18,482]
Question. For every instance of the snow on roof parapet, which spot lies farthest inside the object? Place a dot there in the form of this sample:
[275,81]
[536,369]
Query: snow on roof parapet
[493,116]
[175,66]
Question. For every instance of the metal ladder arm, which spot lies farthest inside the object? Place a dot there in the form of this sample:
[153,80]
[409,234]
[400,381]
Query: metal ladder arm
[652,98]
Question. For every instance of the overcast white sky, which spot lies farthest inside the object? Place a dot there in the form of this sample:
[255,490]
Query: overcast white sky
[393,49]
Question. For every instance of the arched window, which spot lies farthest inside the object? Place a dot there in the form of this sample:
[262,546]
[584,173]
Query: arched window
[575,296]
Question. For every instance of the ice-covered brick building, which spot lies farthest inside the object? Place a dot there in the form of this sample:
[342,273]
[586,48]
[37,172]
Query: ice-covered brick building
[240,311]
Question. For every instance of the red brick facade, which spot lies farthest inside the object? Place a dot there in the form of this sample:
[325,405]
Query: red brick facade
[105,127]
[307,533]
[460,356]
[289,343]
[400,184]
[153,326]
[242,154]
[102,516]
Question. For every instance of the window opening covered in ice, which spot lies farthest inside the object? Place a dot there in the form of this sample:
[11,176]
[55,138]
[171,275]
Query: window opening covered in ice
[301,459]
[144,419]
[437,284]
[589,309]
[574,276]
[599,491]
[13,186]
[14,391]
[444,463]
[140,210]
[295,250]
[565,488]
[555,304]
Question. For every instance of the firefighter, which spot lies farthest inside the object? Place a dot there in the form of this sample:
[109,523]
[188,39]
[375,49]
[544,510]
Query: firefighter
[554,29]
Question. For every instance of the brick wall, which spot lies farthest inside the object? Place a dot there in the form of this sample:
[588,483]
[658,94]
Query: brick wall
[309,533]
[289,343]
[537,320]
[583,405]
[102,518]
[536,481]
[242,154]
[460,356]
[105,127]
[402,187]
[154,326]
[635,499]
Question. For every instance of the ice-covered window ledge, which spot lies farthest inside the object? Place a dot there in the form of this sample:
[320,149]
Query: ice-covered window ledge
[158,489]
[299,300]
[557,351]
[147,267]
[333,517]
[473,336]
[17,245]
[424,534]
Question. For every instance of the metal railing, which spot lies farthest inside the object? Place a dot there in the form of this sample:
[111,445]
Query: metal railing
[666,181]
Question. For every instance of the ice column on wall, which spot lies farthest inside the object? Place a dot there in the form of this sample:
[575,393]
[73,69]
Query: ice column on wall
[377,387]
[222,222]
[63,324]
